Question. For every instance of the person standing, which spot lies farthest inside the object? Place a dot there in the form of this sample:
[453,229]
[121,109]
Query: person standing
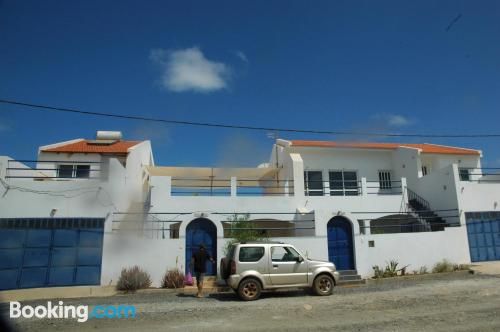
[199,262]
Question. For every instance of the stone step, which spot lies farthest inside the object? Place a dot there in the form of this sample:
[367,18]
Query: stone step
[350,277]
[348,272]
[351,283]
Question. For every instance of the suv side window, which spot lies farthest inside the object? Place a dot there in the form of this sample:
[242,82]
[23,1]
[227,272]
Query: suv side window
[283,254]
[251,254]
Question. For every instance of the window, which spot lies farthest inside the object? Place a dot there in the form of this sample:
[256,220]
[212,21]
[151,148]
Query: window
[65,171]
[464,174]
[284,254]
[73,171]
[424,170]
[313,183]
[343,183]
[251,254]
[384,179]
[82,171]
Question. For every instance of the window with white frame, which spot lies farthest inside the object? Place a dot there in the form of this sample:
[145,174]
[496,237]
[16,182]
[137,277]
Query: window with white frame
[424,170]
[343,183]
[313,183]
[384,179]
[73,171]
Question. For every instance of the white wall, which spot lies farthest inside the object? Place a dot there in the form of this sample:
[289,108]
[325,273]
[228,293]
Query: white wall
[367,163]
[479,197]
[155,256]
[46,160]
[406,163]
[413,249]
[439,188]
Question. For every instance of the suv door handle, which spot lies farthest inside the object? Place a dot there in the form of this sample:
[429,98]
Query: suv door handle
[275,265]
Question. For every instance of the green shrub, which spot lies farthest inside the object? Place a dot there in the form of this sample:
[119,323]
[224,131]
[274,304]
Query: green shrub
[390,270]
[443,266]
[241,229]
[173,278]
[132,279]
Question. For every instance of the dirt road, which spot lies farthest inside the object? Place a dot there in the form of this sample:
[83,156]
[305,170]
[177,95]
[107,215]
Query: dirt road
[457,302]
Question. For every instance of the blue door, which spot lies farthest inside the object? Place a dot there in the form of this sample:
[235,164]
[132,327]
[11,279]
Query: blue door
[202,231]
[340,248]
[484,239]
[39,252]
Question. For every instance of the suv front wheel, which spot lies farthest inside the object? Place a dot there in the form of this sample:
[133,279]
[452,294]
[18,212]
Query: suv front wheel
[323,285]
[249,289]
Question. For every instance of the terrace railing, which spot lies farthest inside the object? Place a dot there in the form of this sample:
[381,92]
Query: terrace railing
[52,170]
[230,187]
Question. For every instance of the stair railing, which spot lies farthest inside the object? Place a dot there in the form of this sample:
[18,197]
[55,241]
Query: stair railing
[416,197]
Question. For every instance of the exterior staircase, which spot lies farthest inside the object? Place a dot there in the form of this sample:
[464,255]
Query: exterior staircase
[423,210]
[210,285]
[349,278]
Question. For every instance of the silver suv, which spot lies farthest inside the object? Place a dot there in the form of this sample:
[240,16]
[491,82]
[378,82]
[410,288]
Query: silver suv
[250,267]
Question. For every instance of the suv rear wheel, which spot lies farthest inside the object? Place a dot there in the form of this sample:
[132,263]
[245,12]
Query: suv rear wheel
[224,268]
[323,285]
[249,289]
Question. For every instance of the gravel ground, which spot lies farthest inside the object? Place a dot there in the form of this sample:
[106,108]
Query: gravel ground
[457,301]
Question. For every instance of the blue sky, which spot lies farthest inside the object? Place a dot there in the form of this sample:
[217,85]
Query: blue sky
[335,65]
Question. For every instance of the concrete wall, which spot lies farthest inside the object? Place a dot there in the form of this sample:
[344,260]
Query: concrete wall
[156,256]
[439,188]
[413,249]
[365,162]
[479,197]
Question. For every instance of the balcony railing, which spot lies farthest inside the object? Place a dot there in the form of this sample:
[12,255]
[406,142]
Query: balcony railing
[352,187]
[181,186]
[52,170]
[479,175]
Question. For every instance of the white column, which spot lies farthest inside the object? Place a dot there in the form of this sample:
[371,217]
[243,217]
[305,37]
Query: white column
[233,186]
[367,230]
[403,191]
[364,187]
[298,175]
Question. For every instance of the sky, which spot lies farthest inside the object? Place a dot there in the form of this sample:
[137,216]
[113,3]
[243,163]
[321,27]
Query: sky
[386,66]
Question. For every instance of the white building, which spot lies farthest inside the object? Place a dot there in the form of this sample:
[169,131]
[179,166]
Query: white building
[88,208]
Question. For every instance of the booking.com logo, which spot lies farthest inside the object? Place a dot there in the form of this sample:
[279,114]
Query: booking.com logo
[81,312]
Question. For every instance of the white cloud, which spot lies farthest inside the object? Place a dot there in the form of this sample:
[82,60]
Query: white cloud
[243,57]
[394,120]
[189,70]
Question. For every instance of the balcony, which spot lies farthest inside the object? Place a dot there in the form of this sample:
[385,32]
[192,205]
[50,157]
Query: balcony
[229,182]
[52,170]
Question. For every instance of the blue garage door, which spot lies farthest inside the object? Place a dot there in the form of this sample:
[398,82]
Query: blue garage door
[483,232]
[340,246]
[50,252]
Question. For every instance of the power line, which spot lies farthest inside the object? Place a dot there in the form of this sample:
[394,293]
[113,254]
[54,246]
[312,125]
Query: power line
[231,126]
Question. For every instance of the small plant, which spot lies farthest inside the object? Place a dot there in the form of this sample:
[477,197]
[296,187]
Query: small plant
[132,279]
[173,278]
[443,266]
[391,270]
[378,272]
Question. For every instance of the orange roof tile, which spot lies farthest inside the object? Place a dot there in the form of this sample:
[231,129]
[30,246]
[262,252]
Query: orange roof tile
[426,148]
[84,146]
